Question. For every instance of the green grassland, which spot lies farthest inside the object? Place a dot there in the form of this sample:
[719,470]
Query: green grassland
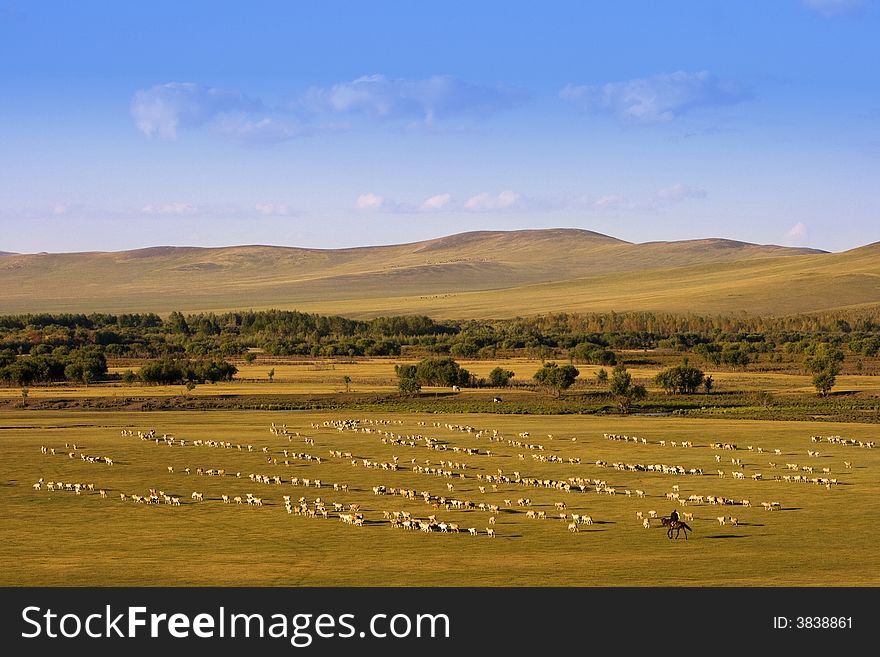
[819,537]
[473,275]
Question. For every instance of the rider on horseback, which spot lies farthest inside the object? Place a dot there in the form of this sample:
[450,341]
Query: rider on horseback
[673,517]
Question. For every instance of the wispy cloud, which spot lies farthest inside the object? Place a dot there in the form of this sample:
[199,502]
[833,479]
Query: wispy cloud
[657,99]
[274,209]
[612,202]
[514,201]
[164,110]
[833,8]
[427,99]
[436,202]
[265,131]
[213,211]
[170,209]
[444,202]
[663,198]
[797,234]
[679,192]
[161,110]
[485,202]
[369,201]
[144,212]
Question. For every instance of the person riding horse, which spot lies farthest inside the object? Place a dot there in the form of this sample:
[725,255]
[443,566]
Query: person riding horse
[672,523]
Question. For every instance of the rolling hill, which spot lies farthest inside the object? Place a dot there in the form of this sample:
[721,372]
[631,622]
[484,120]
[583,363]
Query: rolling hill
[476,274]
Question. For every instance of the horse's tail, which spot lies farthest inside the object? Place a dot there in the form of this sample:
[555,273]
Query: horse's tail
[684,525]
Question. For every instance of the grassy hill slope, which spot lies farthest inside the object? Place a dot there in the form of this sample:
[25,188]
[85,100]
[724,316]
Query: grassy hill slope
[479,274]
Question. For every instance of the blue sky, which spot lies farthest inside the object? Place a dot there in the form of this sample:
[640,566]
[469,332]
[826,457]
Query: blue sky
[329,124]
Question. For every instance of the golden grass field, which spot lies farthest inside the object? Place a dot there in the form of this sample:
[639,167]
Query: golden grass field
[472,275]
[820,537]
[376,375]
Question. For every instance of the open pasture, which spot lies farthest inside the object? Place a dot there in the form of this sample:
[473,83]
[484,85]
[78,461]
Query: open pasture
[458,468]
[376,375]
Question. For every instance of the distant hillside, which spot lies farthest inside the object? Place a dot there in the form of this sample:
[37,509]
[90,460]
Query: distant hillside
[477,274]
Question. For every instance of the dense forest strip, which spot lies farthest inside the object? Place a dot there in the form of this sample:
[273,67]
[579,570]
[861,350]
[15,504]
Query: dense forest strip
[54,347]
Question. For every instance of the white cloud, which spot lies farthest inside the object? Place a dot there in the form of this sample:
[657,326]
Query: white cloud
[661,199]
[265,131]
[164,110]
[609,200]
[369,201]
[60,208]
[657,99]
[170,209]
[436,202]
[796,234]
[161,110]
[679,192]
[832,8]
[485,201]
[273,209]
[428,99]
[613,202]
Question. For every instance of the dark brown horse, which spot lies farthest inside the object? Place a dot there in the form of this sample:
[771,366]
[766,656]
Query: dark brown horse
[676,526]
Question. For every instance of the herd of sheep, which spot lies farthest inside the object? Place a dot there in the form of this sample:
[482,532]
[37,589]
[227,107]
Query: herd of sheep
[457,467]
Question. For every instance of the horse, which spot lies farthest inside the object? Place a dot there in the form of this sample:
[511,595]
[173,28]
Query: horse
[677,526]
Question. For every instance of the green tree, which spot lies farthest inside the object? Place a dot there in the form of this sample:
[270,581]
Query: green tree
[500,377]
[602,376]
[441,372]
[271,375]
[555,377]
[347,381]
[250,357]
[735,356]
[708,384]
[24,396]
[85,366]
[407,381]
[682,379]
[594,354]
[177,323]
[623,390]
[824,380]
[408,387]
[709,351]
[823,360]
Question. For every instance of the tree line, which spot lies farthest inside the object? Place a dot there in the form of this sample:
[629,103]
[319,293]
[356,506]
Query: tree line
[89,365]
[590,338]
